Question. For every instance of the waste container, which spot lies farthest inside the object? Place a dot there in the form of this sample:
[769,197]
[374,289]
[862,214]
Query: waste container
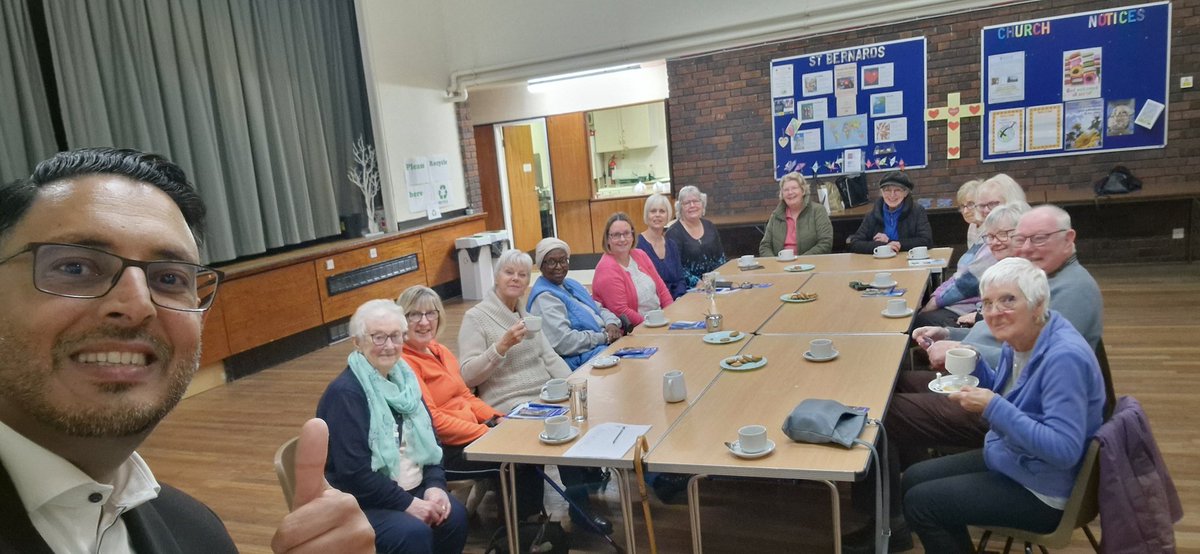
[476,254]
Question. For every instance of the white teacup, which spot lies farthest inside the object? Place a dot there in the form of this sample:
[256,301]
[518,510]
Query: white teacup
[918,253]
[820,348]
[674,387]
[883,250]
[787,254]
[656,317]
[960,361]
[557,427]
[897,306]
[556,388]
[747,260]
[533,324]
[882,279]
[752,439]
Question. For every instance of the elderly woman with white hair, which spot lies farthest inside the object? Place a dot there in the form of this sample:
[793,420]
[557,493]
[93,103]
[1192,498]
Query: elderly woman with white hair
[662,252]
[577,327]
[1044,402]
[382,445]
[797,224]
[508,365]
[699,244]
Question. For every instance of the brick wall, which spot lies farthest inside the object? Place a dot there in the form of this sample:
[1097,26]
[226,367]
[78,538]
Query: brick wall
[466,141]
[721,136]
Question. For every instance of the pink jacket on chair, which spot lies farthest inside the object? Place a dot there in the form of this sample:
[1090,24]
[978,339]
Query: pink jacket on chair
[613,288]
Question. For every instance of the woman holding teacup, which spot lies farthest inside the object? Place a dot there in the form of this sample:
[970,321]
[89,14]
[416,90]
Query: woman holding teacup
[1044,402]
[382,445]
[797,224]
[895,221]
[664,253]
[577,327]
[625,280]
[507,363]
[699,244]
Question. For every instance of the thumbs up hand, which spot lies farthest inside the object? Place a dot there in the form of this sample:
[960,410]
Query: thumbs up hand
[323,519]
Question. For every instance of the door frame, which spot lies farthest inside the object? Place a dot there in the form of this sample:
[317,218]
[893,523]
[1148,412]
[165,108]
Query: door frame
[547,178]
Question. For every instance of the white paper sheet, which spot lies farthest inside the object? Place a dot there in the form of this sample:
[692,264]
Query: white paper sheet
[782,81]
[1149,114]
[1006,74]
[607,441]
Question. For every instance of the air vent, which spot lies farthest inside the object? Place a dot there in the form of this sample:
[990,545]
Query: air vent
[363,276]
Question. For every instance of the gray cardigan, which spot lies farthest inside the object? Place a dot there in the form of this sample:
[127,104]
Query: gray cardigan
[814,232]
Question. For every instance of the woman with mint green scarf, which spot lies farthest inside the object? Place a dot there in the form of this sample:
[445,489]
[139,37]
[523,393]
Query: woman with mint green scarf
[382,447]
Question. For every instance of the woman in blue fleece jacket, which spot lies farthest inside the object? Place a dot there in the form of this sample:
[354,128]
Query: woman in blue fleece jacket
[1044,402]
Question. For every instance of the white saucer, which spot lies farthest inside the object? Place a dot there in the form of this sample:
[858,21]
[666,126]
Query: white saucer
[936,384]
[662,323]
[925,257]
[907,312]
[736,450]
[570,437]
[785,260]
[875,285]
[604,362]
[545,398]
[893,255]
[808,356]
[749,266]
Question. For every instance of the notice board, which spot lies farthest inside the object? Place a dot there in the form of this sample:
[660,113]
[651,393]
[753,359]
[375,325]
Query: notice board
[850,110]
[1076,84]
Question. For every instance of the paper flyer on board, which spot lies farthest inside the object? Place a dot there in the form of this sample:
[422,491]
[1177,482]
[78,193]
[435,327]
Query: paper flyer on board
[887,104]
[1006,77]
[1081,74]
[819,83]
[1084,124]
[1043,127]
[1007,131]
[1149,114]
[781,81]
[891,130]
[877,76]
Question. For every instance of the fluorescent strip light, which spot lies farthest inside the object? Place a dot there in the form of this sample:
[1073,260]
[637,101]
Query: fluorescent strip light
[578,74]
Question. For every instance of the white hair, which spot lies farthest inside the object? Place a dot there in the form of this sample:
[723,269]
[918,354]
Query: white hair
[1029,278]
[799,179]
[653,201]
[1062,219]
[691,190]
[372,310]
[1005,214]
[512,257]
[1005,186]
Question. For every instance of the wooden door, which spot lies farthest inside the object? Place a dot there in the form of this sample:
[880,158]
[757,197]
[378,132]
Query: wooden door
[522,187]
[489,176]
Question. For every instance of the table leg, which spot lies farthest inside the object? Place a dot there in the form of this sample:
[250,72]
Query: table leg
[626,509]
[694,511]
[508,499]
[835,501]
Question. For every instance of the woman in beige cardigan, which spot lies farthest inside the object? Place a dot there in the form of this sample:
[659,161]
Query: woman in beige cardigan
[797,223]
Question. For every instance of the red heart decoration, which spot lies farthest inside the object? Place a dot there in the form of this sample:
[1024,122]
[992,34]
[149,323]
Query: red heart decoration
[953,125]
[974,109]
[953,111]
[934,113]
[953,151]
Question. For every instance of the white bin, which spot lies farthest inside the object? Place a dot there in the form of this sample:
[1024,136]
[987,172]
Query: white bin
[476,255]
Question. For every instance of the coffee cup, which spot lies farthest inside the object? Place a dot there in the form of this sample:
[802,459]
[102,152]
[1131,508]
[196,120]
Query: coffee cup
[674,388]
[752,439]
[883,250]
[787,254]
[533,324]
[882,279]
[918,253]
[557,427]
[960,361]
[897,306]
[556,388]
[820,348]
[656,317]
[747,260]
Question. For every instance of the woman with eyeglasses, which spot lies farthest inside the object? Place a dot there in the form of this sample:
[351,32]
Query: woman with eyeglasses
[1043,402]
[382,445]
[965,197]
[696,238]
[895,220]
[625,280]
[664,253]
[577,327]
[958,295]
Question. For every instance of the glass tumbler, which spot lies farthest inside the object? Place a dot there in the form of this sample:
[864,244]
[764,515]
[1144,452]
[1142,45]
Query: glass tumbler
[579,410]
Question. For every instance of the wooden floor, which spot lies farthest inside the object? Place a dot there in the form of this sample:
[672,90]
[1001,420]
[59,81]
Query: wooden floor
[219,445]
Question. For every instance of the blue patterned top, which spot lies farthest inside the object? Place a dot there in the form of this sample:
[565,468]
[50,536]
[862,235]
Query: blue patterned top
[669,268]
[697,256]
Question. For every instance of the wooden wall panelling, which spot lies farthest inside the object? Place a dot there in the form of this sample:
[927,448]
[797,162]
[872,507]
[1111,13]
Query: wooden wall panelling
[489,176]
[214,340]
[569,166]
[575,225]
[270,306]
[343,305]
[601,210]
[438,253]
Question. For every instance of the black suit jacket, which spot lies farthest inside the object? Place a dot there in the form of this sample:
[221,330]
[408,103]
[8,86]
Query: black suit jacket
[173,522]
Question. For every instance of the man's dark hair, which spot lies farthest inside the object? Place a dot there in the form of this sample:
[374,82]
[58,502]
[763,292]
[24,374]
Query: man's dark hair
[152,169]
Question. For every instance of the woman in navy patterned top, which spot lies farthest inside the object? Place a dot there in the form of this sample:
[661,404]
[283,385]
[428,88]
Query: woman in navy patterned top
[700,249]
[664,253]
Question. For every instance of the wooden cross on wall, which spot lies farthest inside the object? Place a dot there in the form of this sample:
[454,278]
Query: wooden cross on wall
[952,113]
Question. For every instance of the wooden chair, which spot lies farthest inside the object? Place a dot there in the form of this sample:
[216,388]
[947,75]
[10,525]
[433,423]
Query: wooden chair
[1082,507]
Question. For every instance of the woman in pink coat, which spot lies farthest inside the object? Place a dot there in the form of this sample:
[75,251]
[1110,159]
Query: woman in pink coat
[625,281]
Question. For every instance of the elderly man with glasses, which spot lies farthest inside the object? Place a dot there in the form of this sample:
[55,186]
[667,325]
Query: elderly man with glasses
[103,302]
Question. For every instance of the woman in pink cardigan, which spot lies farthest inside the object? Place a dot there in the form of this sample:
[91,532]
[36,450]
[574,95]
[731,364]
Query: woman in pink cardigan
[625,281]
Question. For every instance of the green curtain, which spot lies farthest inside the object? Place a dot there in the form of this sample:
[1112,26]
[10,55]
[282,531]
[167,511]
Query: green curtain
[26,129]
[258,100]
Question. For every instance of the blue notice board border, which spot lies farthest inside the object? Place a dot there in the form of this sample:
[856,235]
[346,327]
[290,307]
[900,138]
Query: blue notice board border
[886,89]
[1091,74]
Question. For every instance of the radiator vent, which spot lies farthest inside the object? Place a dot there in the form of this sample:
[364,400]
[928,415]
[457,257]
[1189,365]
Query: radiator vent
[363,276]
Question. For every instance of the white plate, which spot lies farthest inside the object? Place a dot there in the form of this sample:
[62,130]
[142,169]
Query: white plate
[570,437]
[662,323]
[788,298]
[937,384]
[722,337]
[888,285]
[800,267]
[545,398]
[736,450]
[604,362]
[892,255]
[809,356]
[744,367]
[907,312]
